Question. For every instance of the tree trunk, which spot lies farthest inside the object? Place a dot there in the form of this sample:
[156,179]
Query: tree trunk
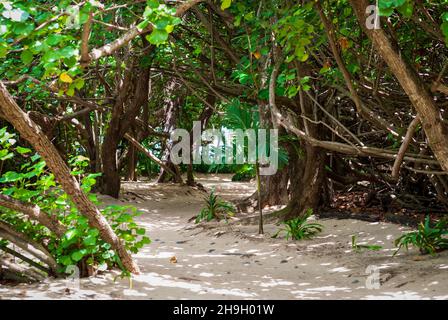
[273,192]
[111,177]
[172,103]
[308,192]
[132,164]
[132,97]
[436,130]
[34,135]
[205,116]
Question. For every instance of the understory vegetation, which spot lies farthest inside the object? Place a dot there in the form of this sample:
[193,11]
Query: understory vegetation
[65,238]
[428,238]
[215,209]
[299,228]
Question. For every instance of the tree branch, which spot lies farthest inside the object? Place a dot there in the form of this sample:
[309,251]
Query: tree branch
[34,212]
[110,48]
[404,147]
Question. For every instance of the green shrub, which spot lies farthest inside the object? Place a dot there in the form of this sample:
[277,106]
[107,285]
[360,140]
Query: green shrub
[215,208]
[428,239]
[298,228]
[29,180]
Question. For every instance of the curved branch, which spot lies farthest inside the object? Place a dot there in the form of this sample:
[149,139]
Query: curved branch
[110,48]
[34,212]
[28,245]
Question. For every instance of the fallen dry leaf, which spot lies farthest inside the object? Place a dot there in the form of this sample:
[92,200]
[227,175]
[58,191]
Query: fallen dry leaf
[419,258]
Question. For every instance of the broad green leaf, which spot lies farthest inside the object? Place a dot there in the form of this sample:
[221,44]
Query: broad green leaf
[26,56]
[79,83]
[157,36]
[78,255]
[90,240]
[65,260]
[225,4]
[22,150]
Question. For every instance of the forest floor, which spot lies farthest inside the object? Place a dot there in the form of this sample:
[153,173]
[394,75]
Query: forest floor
[231,261]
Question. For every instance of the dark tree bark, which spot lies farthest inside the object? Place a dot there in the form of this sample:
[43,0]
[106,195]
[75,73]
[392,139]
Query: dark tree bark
[132,164]
[121,121]
[172,102]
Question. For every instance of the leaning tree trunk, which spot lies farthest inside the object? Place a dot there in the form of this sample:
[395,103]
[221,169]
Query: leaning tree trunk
[34,135]
[435,128]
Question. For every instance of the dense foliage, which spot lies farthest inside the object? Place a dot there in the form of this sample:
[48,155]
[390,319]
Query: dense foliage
[358,109]
[27,179]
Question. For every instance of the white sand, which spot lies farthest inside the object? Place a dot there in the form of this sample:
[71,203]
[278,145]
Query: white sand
[233,262]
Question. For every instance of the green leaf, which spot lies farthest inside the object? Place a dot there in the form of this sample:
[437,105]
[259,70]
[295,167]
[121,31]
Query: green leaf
[385,12]
[5,154]
[50,56]
[225,4]
[142,25]
[153,4]
[11,176]
[3,51]
[23,28]
[407,10]
[157,36]
[78,255]
[22,150]
[26,56]
[70,91]
[65,260]
[54,39]
[89,240]
[79,83]
[445,17]
[445,30]
[70,234]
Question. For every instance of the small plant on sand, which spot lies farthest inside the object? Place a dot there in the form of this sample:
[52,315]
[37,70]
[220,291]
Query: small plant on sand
[215,208]
[428,239]
[298,228]
[358,247]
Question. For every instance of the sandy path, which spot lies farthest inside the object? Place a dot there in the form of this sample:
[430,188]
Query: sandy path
[233,262]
